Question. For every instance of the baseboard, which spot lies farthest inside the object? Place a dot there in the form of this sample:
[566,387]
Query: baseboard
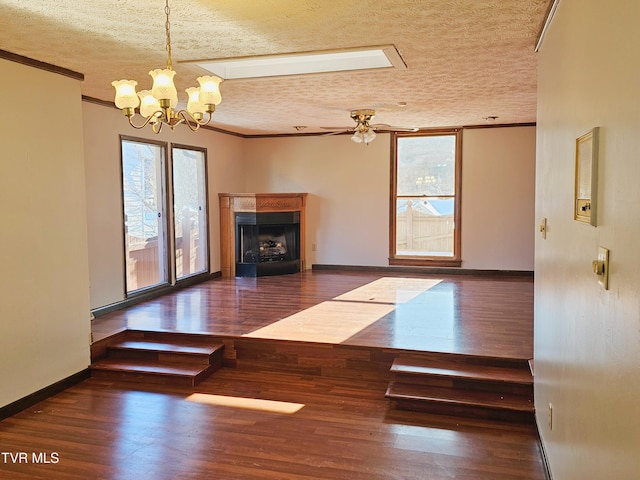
[154,293]
[425,270]
[43,394]
[543,456]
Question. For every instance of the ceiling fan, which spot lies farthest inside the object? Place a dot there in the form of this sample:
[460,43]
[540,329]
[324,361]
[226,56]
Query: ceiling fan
[364,132]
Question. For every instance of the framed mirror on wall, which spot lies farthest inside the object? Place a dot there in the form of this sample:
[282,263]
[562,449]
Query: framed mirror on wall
[586,178]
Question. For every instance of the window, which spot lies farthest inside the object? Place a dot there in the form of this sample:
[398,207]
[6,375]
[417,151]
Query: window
[425,199]
[150,259]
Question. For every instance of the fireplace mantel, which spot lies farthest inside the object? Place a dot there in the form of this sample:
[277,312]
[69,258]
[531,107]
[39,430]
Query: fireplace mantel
[232,203]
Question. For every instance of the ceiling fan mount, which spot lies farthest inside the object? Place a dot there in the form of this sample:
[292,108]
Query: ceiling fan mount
[364,115]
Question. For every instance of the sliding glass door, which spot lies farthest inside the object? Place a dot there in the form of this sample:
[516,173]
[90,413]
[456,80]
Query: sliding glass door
[163,247]
[189,211]
[143,187]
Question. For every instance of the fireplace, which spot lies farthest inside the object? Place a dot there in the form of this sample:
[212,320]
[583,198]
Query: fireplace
[267,243]
[262,234]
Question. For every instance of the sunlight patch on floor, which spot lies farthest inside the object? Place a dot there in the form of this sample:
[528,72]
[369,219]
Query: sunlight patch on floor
[327,322]
[337,320]
[390,290]
[258,404]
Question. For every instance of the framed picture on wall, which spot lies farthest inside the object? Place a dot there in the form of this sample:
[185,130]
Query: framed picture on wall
[586,183]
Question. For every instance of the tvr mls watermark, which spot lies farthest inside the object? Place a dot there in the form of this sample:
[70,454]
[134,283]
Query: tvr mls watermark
[30,457]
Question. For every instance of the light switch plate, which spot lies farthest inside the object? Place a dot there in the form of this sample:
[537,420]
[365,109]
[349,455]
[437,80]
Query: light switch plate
[603,256]
[543,227]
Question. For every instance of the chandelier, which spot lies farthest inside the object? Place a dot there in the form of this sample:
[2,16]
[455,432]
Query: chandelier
[157,105]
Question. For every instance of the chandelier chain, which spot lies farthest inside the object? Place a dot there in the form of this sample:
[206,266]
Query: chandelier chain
[167,27]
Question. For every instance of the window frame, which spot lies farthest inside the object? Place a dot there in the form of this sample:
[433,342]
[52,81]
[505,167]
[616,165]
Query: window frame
[165,271]
[171,201]
[431,261]
[168,220]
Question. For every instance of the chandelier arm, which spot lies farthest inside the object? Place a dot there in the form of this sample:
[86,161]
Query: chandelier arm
[192,122]
[146,122]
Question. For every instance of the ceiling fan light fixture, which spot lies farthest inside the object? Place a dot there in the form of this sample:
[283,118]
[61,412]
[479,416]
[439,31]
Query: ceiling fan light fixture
[369,136]
[358,137]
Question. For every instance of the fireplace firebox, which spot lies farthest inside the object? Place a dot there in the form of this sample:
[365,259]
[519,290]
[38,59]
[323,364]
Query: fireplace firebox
[262,233]
[267,243]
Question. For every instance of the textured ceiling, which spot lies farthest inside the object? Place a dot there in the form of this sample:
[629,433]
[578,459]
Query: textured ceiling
[466,59]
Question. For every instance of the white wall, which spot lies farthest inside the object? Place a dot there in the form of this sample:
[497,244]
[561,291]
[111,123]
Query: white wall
[348,186]
[44,299]
[587,340]
[103,127]
[498,186]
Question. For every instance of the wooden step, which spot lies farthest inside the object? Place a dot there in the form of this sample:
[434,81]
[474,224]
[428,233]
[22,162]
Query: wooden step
[460,402]
[464,375]
[178,351]
[154,371]
[160,358]
[464,386]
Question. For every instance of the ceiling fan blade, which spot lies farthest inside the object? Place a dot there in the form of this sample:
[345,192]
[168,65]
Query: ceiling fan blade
[338,132]
[383,127]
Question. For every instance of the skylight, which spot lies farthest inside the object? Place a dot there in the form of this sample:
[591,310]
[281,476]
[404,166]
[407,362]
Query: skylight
[385,56]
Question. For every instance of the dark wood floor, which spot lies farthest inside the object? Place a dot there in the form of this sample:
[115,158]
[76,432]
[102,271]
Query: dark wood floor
[342,430]
[473,315]
[244,423]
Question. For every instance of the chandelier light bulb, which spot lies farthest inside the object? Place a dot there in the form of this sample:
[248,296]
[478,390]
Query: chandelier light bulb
[163,86]
[210,89]
[149,105]
[194,106]
[125,93]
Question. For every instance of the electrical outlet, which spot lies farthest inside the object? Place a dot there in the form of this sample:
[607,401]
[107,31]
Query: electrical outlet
[313,247]
[550,419]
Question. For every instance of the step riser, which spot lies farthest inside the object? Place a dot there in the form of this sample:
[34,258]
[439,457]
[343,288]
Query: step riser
[464,384]
[471,411]
[146,377]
